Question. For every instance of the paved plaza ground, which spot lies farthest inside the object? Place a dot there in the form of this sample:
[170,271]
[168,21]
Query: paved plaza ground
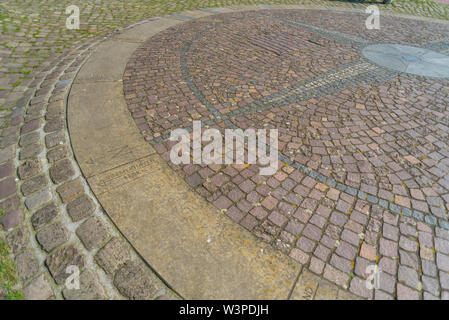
[86,178]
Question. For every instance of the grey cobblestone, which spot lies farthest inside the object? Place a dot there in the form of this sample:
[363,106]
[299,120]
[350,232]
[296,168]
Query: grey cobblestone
[38,289]
[133,282]
[92,232]
[80,208]
[27,265]
[37,200]
[58,261]
[61,171]
[112,256]
[90,289]
[52,236]
[44,215]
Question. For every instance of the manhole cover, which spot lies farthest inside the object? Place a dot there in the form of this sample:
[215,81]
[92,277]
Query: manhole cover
[409,59]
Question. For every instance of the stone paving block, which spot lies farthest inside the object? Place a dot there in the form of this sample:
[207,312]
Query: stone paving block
[90,288]
[444,280]
[7,187]
[92,232]
[134,283]
[61,171]
[54,125]
[70,190]
[17,239]
[29,139]
[11,219]
[30,151]
[352,136]
[45,215]
[388,248]
[10,204]
[408,276]
[316,265]
[346,250]
[58,261]
[387,282]
[38,199]
[443,262]
[6,154]
[405,293]
[358,287]
[336,276]
[33,185]
[38,289]
[30,126]
[29,168]
[57,153]
[52,236]
[6,170]
[429,268]
[27,265]
[299,255]
[431,285]
[112,256]
[8,141]
[80,208]
[54,139]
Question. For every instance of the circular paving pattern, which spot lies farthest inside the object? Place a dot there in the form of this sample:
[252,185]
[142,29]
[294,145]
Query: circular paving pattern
[362,116]
[408,59]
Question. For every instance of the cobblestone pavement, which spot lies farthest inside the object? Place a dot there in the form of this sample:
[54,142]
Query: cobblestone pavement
[364,173]
[50,218]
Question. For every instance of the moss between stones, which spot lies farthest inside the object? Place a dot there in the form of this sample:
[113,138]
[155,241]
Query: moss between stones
[8,275]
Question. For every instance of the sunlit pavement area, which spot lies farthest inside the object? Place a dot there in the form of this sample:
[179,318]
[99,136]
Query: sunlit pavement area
[363,150]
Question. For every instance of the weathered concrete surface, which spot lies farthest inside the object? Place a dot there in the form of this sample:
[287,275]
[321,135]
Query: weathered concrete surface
[102,132]
[143,31]
[312,287]
[196,249]
[108,62]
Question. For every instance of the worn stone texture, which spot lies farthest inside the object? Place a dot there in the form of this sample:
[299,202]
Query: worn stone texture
[70,190]
[45,215]
[90,288]
[112,256]
[80,208]
[92,232]
[61,171]
[60,259]
[52,236]
[134,282]
[38,289]
[18,239]
[27,265]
